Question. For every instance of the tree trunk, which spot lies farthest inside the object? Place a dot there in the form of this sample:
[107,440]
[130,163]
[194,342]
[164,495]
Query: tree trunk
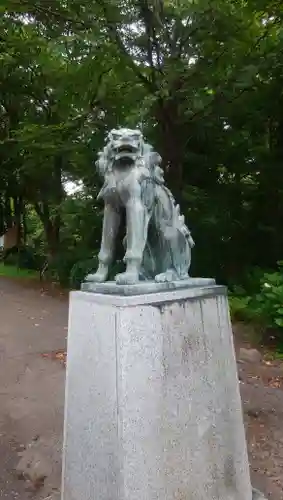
[8,216]
[51,228]
[171,144]
[52,232]
[52,224]
[18,209]
[24,222]
[2,216]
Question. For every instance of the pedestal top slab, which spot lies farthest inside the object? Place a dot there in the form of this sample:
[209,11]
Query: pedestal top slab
[111,288]
[148,292]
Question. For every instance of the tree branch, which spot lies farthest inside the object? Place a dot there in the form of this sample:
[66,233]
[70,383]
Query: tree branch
[115,36]
[232,77]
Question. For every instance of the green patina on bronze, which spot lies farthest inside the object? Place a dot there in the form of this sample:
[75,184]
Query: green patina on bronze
[158,243]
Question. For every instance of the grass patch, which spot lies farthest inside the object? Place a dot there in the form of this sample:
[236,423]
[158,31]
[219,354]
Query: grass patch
[8,271]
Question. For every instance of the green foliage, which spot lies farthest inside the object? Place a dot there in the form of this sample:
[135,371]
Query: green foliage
[240,308]
[79,271]
[269,301]
[83,267]
[203,80]
[61,265]
[9,271]
[23,257]
[264,307]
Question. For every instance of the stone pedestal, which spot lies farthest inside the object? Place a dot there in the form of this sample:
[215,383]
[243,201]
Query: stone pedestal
[153,410]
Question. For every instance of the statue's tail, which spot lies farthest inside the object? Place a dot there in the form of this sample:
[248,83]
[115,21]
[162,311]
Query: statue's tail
[167,214]
[190,240]
[184,229]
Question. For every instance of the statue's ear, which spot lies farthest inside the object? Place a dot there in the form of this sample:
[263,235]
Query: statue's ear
[155,158]
[158,159]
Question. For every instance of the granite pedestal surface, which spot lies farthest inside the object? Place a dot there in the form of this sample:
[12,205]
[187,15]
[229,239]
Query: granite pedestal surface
[153,409]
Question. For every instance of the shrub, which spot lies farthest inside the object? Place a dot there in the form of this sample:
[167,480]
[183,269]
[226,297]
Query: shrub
[269,301]
[80,270]
[264,307]
[239,308]
[60,267]
[24,257]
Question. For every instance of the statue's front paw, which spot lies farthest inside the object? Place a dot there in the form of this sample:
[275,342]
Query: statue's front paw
[96,278]
[100,276]
[161,278]
[127,278]
[167,277]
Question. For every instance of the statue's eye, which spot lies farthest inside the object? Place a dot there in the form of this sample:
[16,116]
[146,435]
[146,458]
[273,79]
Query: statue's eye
[136,137]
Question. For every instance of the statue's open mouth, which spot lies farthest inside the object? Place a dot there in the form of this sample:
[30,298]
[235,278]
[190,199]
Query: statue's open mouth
[126,149]
[126,153]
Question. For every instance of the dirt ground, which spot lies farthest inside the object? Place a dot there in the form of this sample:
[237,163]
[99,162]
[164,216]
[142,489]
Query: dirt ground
[31,386]
[33,330]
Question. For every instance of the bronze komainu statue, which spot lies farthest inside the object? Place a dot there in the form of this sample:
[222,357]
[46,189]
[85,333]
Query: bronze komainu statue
[158,243]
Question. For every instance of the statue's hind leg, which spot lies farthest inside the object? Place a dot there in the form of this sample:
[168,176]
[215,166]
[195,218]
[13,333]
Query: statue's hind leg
[176,259]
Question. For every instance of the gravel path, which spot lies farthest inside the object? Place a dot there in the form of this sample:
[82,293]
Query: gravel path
[31,385]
